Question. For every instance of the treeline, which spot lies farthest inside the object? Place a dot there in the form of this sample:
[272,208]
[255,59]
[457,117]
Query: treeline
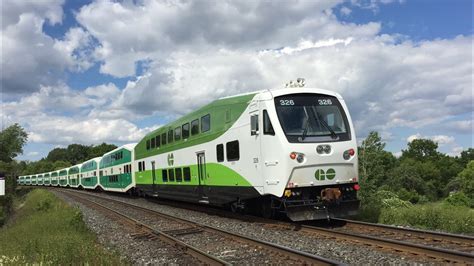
[59,158]
[421,174]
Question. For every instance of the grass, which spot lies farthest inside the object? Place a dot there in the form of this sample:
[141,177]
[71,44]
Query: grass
[432,216]
[48,231]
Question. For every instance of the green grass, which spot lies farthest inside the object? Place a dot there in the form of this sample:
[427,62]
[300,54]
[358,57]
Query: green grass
[433,216]
[46,230]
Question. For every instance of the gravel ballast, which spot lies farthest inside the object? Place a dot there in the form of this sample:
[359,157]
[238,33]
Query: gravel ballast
[135,250]
[144,252]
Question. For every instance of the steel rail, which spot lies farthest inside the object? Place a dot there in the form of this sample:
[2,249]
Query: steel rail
[469,240]
[445,255]
[202,256]
[301,256]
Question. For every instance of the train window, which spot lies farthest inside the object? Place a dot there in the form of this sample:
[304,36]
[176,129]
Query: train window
[158,141]
[163,138]
[164,175]
[253,125]
[143,166]
[267,124]
[170,136]
[233,153]
[171,174]
[148,144]
[185,131]
[187,174]
[206,123]
[195,127]
[179,175]
[139,166]
[177,133]
[152,143]
[220,152]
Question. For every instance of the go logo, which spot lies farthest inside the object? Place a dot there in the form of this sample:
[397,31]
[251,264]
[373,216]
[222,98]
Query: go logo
[321,175]
[170,159]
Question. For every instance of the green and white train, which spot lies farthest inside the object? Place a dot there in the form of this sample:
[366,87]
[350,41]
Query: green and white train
[290,151]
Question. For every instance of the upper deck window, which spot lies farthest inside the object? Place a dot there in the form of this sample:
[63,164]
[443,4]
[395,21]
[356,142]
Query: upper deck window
[311,117]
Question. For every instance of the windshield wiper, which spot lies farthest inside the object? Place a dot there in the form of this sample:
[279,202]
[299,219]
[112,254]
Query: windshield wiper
[305,131]
[333,134]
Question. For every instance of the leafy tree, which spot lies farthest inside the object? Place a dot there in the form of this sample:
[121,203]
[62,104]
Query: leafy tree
[466,180]
[57,154]
[60,165]
[466,156]
[12,140]
[374,163]
[421,150]
[77,153]
[99,150]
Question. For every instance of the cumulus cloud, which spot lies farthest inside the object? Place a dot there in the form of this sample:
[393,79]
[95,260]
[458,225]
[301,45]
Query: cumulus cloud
[60,115]
[386,84]
[153,29]
[30,57]
[440,139]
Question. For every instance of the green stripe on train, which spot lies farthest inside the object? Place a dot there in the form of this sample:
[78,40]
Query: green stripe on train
[224,113]
[217,175]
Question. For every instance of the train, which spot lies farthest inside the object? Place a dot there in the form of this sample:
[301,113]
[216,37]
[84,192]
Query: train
[289,151]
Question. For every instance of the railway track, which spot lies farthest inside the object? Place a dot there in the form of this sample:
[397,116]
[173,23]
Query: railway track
[454,242]
[437,254]
[207,244]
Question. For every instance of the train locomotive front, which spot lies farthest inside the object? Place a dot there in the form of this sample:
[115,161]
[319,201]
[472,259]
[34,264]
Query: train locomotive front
[309,154]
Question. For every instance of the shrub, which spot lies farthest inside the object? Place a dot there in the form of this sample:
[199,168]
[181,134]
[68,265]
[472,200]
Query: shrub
[48,231]
[445,217]
[458,199]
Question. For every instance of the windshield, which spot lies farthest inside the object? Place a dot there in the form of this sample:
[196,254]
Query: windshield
[312,118]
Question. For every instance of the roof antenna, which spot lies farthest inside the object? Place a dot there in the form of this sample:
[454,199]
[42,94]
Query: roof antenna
[300,82]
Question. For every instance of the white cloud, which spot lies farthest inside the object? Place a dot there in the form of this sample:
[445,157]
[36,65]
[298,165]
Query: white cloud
[440,139]
[345,11]
[151,30]
[30,57]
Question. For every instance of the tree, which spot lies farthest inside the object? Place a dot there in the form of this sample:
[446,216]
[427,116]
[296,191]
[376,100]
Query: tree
[466,156]
[99,150]
[77,153]
[12,140]
[421,150]
[466,180]
[57,154]
[374,162]
[58,165]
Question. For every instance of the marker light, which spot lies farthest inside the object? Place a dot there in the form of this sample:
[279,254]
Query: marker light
[356,187]
[351,152]
[300,158]
[293,155]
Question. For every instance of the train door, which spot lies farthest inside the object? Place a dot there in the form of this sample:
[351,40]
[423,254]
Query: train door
[153,177]
[202,176]
[254,146]
[271,171]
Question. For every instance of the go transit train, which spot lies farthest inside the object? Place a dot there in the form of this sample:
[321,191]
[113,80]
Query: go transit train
[289,150]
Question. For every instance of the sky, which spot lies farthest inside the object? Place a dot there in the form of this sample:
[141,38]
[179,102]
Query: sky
[111,71]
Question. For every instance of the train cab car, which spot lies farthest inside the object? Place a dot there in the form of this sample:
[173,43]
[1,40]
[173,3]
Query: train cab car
[115,169]
[290,151]
[74,176]
[89,173]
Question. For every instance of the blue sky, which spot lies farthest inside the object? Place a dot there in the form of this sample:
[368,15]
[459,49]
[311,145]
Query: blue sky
[91,72]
